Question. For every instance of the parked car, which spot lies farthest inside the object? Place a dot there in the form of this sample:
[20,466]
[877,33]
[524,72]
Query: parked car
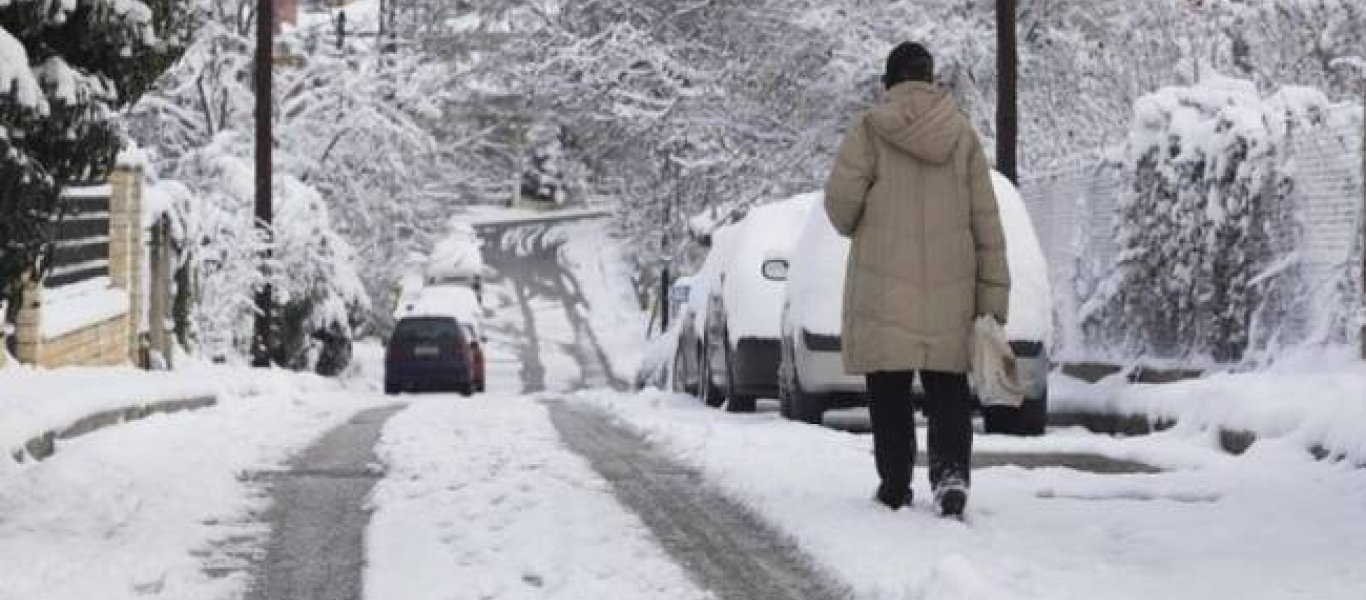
[812,377]
[657,363]
[728,349]
[460,304]
[429,353]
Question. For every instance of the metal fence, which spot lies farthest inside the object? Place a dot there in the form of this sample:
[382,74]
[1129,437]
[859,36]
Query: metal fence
[81,237]
[1074,211]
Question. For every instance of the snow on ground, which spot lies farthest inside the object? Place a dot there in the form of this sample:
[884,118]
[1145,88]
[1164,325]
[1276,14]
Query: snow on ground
[33,401]
[1312,401]
[482,500]
[613,312]
[1203,529]
[131,511]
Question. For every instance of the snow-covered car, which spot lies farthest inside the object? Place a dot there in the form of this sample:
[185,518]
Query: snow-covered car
[457,259]
[461,304]
[728,351]
[812,377]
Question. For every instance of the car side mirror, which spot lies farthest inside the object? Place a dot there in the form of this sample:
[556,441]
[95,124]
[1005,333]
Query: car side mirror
[775,269]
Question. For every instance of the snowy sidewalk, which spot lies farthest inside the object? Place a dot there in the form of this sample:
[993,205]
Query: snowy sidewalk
[1195,531]
[158,508]
[37,402]
[482,500]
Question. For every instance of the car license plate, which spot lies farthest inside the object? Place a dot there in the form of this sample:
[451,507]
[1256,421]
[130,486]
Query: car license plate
[426,351]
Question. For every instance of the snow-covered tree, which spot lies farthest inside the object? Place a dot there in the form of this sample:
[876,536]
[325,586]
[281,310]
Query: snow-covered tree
[65,68]
[350,147]
[1210,201]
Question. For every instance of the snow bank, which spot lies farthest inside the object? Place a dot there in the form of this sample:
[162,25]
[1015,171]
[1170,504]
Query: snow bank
[34,401]
[1313,402]
[482,494]
[72,307]
[1189,533]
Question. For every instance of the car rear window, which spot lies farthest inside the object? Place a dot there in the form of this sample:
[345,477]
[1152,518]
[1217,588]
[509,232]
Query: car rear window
[427,329]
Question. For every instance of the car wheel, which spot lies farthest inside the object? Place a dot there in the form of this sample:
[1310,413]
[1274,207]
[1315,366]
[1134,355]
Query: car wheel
[797,405]
[736,402]
[465,389]
[479,386]
[807,408]
[1034,415]
[1030,419]
[391,388]
[709,392]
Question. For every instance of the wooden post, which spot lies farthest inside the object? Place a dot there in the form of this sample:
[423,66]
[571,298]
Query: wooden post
[265,43]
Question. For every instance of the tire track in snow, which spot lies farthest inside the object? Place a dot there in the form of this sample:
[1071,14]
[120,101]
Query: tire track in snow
[727,549]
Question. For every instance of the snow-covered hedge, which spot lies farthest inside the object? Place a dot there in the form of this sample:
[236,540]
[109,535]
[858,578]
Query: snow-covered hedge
[1205,225]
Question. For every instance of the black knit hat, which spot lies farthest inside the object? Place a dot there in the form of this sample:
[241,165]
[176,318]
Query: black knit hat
[909,61]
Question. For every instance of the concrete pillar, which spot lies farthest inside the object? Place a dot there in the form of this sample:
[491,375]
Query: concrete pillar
[125,245]
[28,324]
[159,289]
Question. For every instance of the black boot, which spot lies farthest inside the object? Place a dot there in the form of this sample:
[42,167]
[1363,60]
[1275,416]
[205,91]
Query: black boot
[951,496]
[893,498]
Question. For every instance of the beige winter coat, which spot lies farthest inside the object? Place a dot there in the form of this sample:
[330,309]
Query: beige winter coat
[912,187]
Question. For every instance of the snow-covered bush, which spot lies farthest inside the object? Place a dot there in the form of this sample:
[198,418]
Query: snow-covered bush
[312,271]
[1206,223]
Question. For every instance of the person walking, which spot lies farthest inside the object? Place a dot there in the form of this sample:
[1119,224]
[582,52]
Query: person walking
[912,188]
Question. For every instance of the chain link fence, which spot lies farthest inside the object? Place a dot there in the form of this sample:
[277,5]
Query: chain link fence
[1075,212]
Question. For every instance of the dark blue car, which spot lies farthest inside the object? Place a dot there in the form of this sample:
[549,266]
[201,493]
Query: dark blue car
[429,354]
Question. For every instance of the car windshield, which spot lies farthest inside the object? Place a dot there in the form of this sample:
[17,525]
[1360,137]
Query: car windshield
[426,329]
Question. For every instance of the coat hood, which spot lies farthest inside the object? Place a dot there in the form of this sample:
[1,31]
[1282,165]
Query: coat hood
[920,119]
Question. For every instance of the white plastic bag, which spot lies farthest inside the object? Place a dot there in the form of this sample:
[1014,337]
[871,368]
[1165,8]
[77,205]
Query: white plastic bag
[993,372]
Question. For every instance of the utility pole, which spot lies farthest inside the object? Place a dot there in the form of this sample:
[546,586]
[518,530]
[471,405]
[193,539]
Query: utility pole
[265,43]
[1007,115]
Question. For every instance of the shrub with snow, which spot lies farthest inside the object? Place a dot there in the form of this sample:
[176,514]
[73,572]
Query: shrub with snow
[313,270]
[1205,223]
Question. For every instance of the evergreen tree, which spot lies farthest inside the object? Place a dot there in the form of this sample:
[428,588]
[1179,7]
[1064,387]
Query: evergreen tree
[65,68]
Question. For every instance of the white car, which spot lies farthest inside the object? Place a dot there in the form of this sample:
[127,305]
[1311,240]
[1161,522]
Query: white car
[728,350]
[812,377]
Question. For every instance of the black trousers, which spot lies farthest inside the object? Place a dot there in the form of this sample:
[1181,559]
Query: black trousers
[948,408]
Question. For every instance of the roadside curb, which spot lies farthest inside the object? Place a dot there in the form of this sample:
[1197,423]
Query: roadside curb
[1231,441]
[44,445]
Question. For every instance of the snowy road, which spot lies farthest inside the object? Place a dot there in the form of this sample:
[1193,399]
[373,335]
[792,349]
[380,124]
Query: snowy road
[560,485]
[318,515]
